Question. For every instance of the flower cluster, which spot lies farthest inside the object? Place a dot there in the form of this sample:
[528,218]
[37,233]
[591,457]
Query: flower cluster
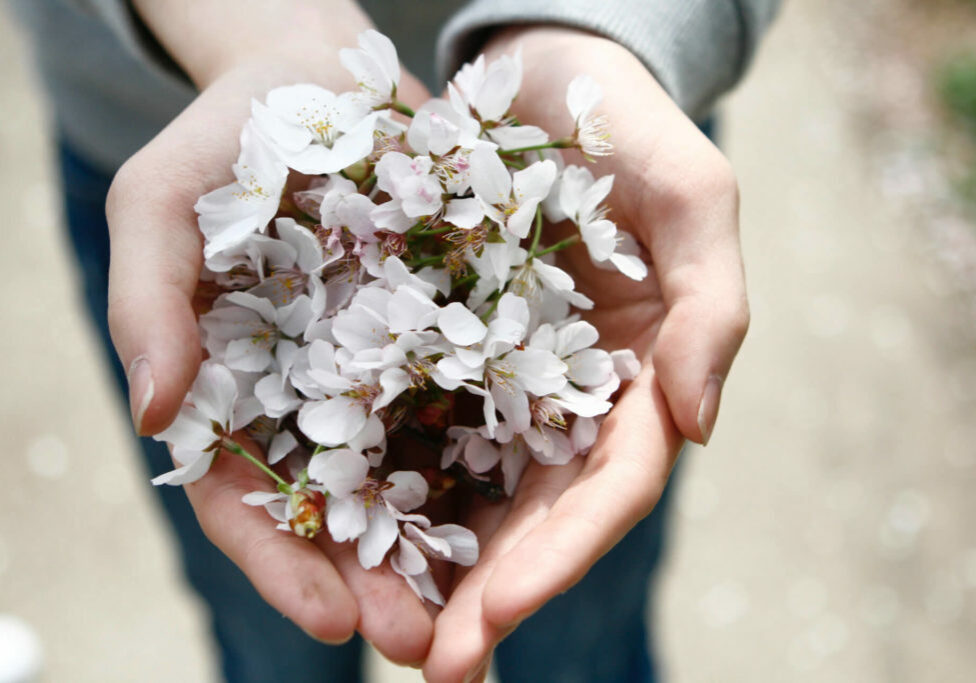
[403,295]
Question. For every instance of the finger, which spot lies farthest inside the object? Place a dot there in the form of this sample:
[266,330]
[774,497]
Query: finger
[693,237]
[391,617]
[156,251]
[463,638]
[290,573]
[621,481]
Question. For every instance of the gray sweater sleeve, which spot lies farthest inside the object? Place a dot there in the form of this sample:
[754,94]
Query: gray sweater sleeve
[697,49]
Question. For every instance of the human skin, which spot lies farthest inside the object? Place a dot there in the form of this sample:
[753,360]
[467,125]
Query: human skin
[676,193]
[673,190]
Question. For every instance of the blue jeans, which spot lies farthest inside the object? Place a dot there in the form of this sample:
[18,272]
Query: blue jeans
[594,633]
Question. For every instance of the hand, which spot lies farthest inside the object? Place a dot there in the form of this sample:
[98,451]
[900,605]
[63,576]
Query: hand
[156,261]
[676,193]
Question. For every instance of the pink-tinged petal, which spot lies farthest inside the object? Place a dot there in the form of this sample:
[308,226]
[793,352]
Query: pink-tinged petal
[520,222]
[490,179]
[346,518]
[247,356]
[214,392]
[281,445]
[464,213]
[438,547]
[625,364]
[514,459]
[340,471]
[463,542]
[534,182]
[480,454]
[380,534]
[191,430]
[195,465]
[583,433]
[460,326]
[409,490]
[409,559]
[582,95]
[331,422]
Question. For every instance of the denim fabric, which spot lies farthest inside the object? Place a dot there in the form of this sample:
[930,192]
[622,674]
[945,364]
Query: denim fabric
[594,633]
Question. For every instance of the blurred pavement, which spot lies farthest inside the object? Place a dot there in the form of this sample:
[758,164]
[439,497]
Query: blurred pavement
[824,535]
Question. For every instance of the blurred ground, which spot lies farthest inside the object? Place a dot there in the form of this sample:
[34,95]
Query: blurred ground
[825,533]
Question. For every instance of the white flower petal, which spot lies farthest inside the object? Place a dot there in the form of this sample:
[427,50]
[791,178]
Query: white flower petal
[460,325]
[340,471]
[409,490]
[380,534]
[281,445]
[346,518]
[196,464]
[331,422]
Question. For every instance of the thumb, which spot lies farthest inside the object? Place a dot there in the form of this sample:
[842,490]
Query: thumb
[155,265]
[697,256]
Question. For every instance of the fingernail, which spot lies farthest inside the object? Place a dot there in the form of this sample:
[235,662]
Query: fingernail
[141,390]
[480,671]
[708,407]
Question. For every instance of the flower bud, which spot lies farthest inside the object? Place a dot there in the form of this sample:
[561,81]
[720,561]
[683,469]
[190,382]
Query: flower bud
[308,507]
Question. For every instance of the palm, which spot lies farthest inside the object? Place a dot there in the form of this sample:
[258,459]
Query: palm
[685,322]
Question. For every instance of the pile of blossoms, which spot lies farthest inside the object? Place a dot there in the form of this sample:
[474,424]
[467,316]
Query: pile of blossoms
[379,277]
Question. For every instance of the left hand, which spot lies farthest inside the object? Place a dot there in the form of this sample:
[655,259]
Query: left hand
[675,192]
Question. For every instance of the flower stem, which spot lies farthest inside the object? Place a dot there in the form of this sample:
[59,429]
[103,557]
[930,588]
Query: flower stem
[426,261]
[538,230]
[234,447]
[561,143]
[403,109]
[436,231]
[558,246]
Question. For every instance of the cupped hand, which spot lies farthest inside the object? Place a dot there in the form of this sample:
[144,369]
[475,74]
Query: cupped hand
[676,194]
[156,257]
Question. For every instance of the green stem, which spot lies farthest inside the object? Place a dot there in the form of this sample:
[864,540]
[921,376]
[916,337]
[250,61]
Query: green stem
[538,230]
[568,242]
[466,280]
[426,261]
[513,163]
[367,184]
[403,109]
[561,143]
[491,309]
[234,447]
[438,231]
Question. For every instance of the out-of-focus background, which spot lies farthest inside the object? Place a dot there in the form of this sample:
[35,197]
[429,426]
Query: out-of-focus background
[827,532]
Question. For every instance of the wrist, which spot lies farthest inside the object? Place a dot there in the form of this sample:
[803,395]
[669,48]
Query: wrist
[210,38]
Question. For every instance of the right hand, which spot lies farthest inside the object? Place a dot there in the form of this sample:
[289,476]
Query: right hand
[156,251]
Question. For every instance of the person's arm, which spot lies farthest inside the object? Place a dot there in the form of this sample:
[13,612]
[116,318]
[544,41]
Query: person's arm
[234,50]
[676,193]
